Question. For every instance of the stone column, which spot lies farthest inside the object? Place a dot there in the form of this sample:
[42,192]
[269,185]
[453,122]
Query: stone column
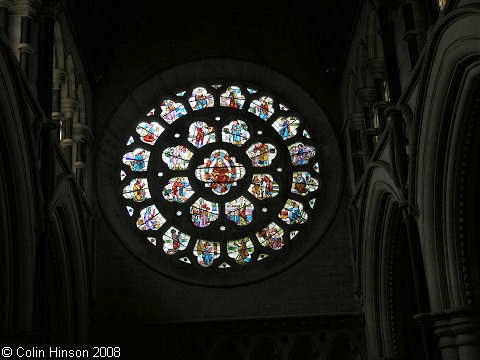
[81,135]
[467,331]
[357,122]
[20,30]
[58,82]
[5,6]
[69,107]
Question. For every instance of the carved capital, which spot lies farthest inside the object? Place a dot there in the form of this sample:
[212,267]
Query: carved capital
[357,120]
[81,132]
[367,95]
[25,7]
[6,4]
[377,67]
[69,106]
[58,78]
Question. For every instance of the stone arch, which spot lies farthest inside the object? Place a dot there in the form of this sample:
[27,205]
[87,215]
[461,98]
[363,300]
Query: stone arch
[19,190]
[390,266]
[68,288]
[452,73]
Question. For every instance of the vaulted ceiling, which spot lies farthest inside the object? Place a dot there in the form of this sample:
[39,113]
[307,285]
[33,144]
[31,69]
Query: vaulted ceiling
[321,29]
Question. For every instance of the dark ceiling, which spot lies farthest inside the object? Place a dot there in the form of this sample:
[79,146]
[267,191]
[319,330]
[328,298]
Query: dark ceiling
[102,26]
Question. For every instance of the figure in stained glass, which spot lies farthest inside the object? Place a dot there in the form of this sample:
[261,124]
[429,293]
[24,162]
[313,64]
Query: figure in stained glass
[200,99]
[301,153]
[241,250]
[206,252]
[137,159]
[174,241]
[262,107]
[149,132]
[232,97]
[261,154]
[303,183]
[240,211]
[200,134]
[293,213]
[150,219]
[220,172]
[263,186]
[203,212]
[171,111]
[271,236]
[137,190]
[286,126]
[178,190]
[177,158]
[236,133]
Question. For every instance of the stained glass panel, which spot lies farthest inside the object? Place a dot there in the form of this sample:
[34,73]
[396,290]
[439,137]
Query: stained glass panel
[263,186]
[174,241]
[312,202]
[200,99]
[130,210]
[137,190]
[149,132]
[200,134]
[171,111]
[122,175]
[286,126]
[232,97]
[220,172]
[204,212]
[271,236]
[236,133]
[206,252]
[150,219]
[306,134]
[303,183]
[261,154]
[316,167]
[130,140]
[152,240]
[177,158]
[301,153]
[178,190]
[262,107]
[293,213]
[241,250]
[283,107]
[240,211]
[151,112]
[137,159]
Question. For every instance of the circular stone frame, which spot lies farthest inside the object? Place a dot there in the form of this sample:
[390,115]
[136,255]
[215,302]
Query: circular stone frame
[147,95]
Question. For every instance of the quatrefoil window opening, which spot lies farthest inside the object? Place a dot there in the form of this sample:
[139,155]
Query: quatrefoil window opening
[223,150]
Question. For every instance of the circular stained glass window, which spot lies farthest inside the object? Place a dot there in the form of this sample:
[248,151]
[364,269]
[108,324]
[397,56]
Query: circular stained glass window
[220,176]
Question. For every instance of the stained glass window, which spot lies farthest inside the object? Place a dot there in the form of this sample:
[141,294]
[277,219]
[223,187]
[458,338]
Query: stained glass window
[220,176]
[442,4]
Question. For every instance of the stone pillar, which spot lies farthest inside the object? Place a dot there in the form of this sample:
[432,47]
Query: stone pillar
[357,122]
[58,82]
[69,107]
[81,135]
[467,331]
[21,33]
[5,6]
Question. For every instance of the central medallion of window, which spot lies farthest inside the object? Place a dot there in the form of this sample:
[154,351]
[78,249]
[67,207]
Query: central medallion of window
[220,172]
[226,174]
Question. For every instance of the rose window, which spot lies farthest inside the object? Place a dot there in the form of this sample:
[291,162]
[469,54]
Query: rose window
[220,176]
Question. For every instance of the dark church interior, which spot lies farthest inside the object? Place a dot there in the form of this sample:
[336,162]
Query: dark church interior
[278,180]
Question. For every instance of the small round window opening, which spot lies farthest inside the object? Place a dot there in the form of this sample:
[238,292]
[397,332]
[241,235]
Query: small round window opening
[220,176]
